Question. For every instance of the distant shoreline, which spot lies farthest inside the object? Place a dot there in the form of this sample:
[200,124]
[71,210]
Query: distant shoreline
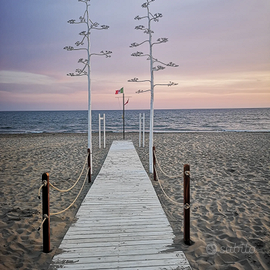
[165,121]
[100,110]
[94,133]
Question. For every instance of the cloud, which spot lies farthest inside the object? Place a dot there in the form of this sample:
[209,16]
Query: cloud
[19,77]
[221,47]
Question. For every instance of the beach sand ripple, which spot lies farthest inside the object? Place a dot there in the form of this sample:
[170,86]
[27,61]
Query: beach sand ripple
[230,188]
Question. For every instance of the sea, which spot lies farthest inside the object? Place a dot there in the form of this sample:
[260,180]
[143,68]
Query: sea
[186,120]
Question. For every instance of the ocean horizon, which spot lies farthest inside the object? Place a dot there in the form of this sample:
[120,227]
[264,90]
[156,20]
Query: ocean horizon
[165,120]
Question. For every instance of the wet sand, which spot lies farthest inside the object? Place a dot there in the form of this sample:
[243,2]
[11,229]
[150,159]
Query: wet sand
[230,188]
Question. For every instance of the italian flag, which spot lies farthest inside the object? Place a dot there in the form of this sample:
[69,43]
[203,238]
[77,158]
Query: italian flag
[121,91]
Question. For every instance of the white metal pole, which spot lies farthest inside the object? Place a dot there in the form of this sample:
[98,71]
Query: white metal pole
[152,99]
[99,132]
[140,129]
[104,130]
[143,128]
[89,92]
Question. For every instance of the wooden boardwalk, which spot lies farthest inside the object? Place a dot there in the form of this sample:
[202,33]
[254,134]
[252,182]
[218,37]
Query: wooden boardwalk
[121,224]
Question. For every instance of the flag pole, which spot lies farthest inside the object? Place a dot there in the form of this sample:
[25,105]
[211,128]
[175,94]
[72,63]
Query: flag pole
[123,115]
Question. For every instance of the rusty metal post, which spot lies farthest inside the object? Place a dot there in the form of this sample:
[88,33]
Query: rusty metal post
[154,163]
[46,212]
[89,165]
[187,204]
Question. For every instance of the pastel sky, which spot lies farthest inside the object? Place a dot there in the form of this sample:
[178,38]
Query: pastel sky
[222,48]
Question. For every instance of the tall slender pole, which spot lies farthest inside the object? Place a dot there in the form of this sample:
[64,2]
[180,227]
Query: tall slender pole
[123,115]
[86,70]
[99,131]
[89,94]
[148,30]
[140,128]
[104,131]
[143,128]
[152,99]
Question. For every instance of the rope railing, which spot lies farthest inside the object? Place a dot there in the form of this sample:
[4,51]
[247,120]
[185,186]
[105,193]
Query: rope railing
[60,212]
[44,184]
[67,190]
[166,195]
[46,202]
[44,219]
[158,180]
[169,176]
[186,197]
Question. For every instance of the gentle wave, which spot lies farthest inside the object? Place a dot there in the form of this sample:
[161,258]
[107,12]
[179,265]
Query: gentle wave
[211,120]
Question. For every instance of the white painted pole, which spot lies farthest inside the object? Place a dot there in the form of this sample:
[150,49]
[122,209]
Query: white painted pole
[104,131]
[140,129]
[152,98]
[89,94]
[99,132]
[143,129]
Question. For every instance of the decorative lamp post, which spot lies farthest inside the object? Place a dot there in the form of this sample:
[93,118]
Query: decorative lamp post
[86,69]
[147,30]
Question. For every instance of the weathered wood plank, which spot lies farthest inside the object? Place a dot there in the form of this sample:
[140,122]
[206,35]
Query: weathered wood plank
[120,224]
[138,264]
[120,232]
[84,258]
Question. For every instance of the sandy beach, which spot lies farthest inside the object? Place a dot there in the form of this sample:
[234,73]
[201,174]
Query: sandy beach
[230,188]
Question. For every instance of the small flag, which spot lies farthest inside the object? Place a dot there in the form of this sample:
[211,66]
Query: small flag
[126,102]
[121,91]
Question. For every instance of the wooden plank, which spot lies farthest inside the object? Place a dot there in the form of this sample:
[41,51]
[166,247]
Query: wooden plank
[111,252]
[84,258]
[120,232]
[113,238]
[118,229]
[120,224]
[138,264]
